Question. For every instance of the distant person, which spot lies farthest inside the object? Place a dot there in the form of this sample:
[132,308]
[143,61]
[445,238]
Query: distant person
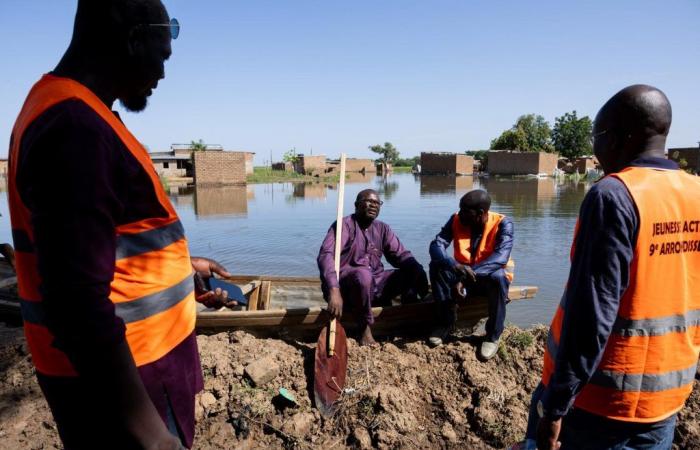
[363,282]
[8,253]
[623,346]
[482,242]
[103,266]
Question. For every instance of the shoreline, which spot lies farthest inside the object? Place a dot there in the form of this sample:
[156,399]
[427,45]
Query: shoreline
[263,175]
[404,394]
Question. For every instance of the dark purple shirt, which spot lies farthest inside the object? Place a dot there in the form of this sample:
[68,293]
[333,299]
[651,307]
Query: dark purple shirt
[361,248]
[80,182]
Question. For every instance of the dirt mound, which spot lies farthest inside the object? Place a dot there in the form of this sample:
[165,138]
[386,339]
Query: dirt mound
[401,395]
[25,419]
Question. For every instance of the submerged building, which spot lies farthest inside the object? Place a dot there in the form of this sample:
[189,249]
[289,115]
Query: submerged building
[212,165]
[445,163]
[506,162]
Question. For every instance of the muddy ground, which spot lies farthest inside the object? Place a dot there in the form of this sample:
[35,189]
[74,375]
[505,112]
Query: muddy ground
[403,395]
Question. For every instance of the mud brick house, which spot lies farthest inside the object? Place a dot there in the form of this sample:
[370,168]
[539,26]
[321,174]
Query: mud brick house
[444,163]
[359,165]
[179,160]
[691,155]
[219,168]
[310,165]
[521,163]
[286,166]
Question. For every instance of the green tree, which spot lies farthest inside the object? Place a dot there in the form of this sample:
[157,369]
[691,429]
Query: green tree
[572,135]
[198,146]
[388,151]
[407,162]
[290,156]
[531,133]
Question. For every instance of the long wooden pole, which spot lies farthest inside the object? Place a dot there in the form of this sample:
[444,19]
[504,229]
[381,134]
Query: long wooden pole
[338,249]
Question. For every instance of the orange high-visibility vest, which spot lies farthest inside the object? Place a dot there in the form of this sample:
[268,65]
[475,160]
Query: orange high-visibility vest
[152,289]
[649,363]
[462,244]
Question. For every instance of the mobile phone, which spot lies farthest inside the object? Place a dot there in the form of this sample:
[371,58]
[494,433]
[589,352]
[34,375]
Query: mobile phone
[234,292]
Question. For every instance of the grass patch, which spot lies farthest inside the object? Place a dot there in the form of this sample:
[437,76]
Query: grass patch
[514,339]
[402,169]
[267,175]
[521,340]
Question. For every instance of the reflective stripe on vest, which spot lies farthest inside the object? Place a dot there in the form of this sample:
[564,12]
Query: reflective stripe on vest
[462,244]
[152,289]
[650,360]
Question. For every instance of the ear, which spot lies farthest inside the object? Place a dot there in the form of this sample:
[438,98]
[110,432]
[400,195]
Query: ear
[134,42]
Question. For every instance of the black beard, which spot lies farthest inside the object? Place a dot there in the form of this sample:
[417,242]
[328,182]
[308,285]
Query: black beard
[134,104]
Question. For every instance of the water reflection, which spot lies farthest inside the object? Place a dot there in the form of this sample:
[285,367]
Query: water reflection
[526,196]
[182,196]
[277,228]
[387,188]
[221,201]
[436,184]
[358,177]
[310,190]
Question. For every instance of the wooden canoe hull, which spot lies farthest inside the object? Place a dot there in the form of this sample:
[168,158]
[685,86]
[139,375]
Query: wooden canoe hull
[274,310]
[412,318]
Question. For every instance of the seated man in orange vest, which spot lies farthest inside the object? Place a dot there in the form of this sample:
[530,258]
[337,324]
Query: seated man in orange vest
[483,241]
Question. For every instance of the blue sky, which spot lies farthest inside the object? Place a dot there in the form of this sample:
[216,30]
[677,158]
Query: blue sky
[332,76]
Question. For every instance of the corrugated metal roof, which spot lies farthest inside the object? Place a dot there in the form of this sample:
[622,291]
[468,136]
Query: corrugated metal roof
[170,157]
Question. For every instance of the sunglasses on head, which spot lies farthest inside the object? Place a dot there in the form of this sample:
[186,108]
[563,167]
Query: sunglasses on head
[173,25]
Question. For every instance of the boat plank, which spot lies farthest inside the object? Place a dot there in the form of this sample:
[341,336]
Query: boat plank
[265,289]
[389,318]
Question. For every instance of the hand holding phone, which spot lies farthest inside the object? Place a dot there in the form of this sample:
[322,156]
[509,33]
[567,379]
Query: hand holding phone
[234,294]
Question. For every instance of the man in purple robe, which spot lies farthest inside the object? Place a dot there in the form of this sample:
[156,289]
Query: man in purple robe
[363,282]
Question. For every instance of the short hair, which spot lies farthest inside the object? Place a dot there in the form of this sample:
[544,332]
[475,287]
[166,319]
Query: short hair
[640,108]
[95,19]
[476,199]
[365,192]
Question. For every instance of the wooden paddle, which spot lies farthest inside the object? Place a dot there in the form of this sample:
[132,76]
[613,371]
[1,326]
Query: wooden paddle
[331,362]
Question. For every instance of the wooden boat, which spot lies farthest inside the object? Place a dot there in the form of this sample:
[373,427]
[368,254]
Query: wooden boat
[294,307]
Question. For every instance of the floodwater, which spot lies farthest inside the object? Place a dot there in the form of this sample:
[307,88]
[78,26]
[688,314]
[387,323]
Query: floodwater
[278,228]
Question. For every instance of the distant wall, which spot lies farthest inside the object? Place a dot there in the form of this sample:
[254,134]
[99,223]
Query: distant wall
[517,163]
[379,167]
[287,166]
[310,164]
[219,168]
[359,165]
[3,167]
[170,171]
[583,164]
[249,163]
[446,163]
[690,154]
